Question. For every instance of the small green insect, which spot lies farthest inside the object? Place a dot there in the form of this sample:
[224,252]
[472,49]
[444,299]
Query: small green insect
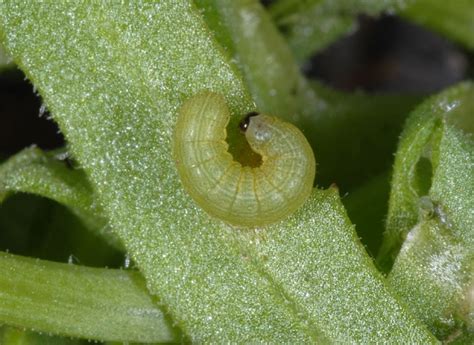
[241,195]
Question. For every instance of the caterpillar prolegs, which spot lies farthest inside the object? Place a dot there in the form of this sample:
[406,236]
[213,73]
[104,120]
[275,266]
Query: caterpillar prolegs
[241,195]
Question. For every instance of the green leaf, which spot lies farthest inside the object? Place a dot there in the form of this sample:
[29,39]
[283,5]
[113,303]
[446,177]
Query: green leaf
[430,213]
[114,78]
[71,300]
[367,209]
[451,18]
[433,274]
[33,171]
[5,60]
[435,147]
[318,263]
[47,174]
[14,336]
[310,26]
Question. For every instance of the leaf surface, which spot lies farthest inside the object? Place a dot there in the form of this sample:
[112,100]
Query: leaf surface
[430,224]
[113,77]
[78,301]
[49,175]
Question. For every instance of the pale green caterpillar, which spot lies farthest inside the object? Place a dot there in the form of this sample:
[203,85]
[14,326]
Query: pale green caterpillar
[241,195]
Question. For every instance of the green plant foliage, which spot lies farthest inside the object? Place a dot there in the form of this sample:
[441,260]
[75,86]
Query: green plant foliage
[114,76]
[451,18]
[245,29]
[79,301]
[430,213]
[38,227]
[113,79]
[369,221]
[312,25]
[15,336]
[347,150]
[434,275]
[358,151]
[46,174]
[310,271]
[433,166]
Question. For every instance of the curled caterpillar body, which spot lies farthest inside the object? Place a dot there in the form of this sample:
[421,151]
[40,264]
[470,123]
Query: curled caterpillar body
[241,195]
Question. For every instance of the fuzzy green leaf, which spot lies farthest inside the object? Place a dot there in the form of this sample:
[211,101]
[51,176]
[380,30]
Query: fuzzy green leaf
[46,174]
[33,171]
[348,150]
[433,165]
[319,264]
[71,300]
[113,78]
[431,213]
[433,274]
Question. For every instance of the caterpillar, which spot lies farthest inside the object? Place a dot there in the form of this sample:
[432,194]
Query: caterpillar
[241,195]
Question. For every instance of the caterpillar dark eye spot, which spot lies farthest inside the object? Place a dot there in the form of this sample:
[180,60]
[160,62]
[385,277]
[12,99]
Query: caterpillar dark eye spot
[244,124]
